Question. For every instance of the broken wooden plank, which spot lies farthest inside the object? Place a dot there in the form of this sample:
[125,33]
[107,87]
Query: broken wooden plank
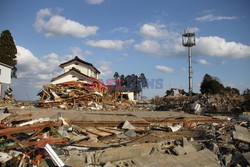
[39,143]
[185,120]
[108,123]
[116,132]
[28,128]
[3,116]
[99,133]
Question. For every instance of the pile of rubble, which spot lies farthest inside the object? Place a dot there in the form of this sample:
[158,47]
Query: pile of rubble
[8,97]
[79,96]
[202,104]
[70,95]
[214,145]
[24,143]
[121,139]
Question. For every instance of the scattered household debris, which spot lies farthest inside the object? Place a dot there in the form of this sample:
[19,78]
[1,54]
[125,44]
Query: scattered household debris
[80,96]
[101,129]
[203,104]
[8,96]
[70,95]
[124,139]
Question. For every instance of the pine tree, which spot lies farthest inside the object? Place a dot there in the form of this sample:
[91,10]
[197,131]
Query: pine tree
[143,82]
[8,51]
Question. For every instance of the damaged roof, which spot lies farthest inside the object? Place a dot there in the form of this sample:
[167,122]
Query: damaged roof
[77,59]
[72,71]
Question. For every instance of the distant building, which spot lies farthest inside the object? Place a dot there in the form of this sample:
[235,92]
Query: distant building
[121,93]
[5,75]
[76,70]
[175,92]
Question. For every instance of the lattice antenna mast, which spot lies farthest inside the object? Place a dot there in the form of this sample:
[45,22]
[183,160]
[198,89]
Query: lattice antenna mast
[188,40]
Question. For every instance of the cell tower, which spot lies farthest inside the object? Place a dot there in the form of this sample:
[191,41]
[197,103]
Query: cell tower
[188,40]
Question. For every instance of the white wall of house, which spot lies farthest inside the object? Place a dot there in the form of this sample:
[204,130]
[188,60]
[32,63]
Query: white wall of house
[66,78]
[83,68]
[5,74]
[93,74]
[130,95]
[176,92]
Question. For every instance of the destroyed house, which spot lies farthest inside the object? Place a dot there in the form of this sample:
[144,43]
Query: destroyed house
[76,70]
[122,93]
[5,76]
[175,92]
[5,73]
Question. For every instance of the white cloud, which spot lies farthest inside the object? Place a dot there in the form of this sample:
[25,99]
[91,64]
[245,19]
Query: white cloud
[104,68]
[165,69]
[157,40]
[56,25]
[211,17]
[121,29]
[29,66]
[150,47]
[94,2]
[24,56]
[39,71]
[33,73]
[110,44]
[171,45]
[43,76]
[153,31]
[76,51]
[52,59]
[203,62]
[219,47]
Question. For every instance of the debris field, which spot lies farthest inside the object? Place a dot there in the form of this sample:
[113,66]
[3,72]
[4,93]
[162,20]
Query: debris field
[47,137]
[73,125]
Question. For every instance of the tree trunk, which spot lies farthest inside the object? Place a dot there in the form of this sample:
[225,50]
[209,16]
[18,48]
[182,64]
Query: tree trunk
[141,93]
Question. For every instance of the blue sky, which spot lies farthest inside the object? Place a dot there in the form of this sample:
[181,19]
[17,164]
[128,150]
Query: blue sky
[129,36]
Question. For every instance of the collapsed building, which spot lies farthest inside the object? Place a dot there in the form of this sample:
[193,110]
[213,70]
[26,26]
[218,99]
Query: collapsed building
[78,86]
[122,93]
[175,92]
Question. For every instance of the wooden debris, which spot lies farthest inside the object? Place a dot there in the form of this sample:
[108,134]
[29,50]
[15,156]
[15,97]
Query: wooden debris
[69,95]
[99,132]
